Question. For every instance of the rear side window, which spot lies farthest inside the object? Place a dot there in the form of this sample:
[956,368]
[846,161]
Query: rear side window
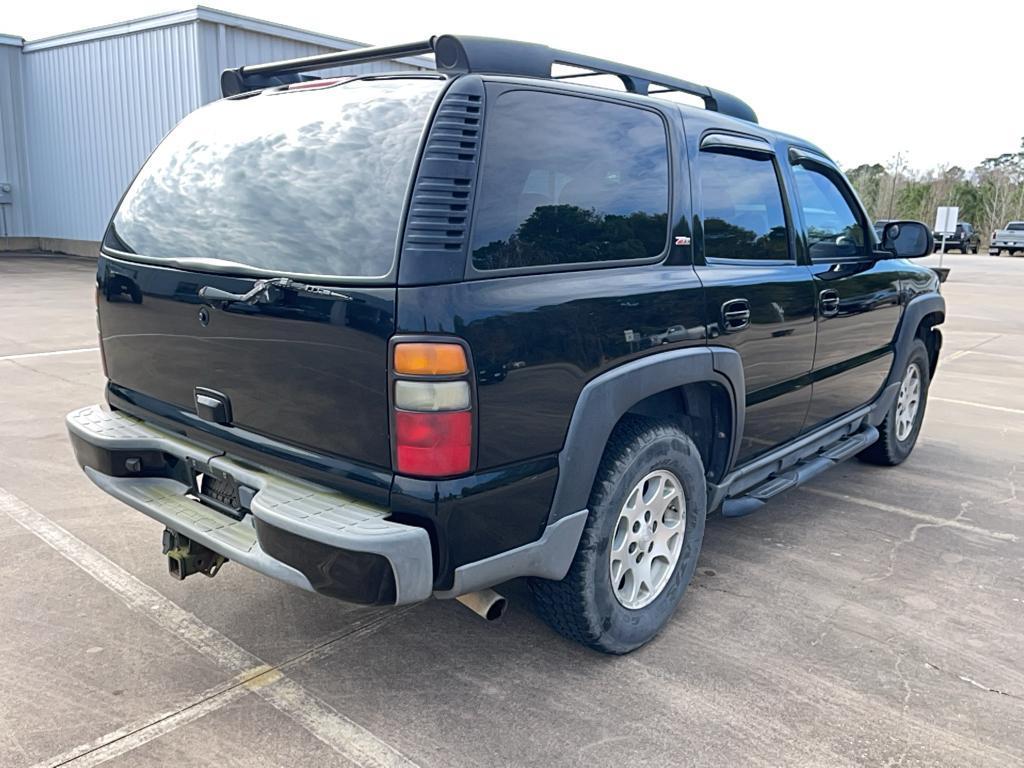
[833,227]
[570,180]
[742,207]
[309,182]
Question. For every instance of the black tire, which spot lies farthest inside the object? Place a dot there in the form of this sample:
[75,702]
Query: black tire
[890,450]
[583,606]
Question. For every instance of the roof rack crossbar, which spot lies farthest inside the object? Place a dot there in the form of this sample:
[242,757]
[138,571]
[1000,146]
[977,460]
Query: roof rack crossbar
[459,55]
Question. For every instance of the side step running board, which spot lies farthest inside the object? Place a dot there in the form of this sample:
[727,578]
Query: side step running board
[812,466]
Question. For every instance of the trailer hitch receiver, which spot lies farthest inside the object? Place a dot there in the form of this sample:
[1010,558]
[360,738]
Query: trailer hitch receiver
[185,557]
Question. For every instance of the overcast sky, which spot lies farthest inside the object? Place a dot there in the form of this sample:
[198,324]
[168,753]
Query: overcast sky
[864,80]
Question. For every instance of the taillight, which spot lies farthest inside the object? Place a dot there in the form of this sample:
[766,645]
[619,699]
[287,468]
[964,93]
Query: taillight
[423,359]
[433,444]
[433,416]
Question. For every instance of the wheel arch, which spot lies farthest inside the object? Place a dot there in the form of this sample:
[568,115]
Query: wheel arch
[703,386]
[920,319]
[932,338]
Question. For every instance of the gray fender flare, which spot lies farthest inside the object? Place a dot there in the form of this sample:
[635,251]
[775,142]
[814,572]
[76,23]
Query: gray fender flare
[916,310]
[604,400]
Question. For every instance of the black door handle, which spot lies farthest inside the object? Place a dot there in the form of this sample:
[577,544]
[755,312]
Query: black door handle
[735,315]
[828,302]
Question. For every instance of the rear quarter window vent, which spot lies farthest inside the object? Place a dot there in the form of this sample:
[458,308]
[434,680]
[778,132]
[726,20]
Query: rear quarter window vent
[437,227]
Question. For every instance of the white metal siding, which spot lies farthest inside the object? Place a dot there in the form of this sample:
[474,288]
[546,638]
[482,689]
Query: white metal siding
[97,103]
[94,111]
[13,217]
[223,46]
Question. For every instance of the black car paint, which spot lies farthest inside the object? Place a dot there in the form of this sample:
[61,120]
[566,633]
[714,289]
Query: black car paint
[536,340]
[308,368]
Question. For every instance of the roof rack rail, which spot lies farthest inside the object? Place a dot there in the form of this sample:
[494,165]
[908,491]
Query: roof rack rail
[459,55]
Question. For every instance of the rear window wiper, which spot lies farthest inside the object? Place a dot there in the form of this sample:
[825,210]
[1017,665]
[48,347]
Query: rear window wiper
[270,291]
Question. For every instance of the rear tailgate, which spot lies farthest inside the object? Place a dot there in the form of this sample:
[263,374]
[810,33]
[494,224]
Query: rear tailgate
[308,184]
[1013,237]
[306,370]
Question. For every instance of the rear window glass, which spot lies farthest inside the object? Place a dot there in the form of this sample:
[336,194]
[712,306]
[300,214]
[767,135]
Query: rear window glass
[308,182]
[569,180]
[1015,226]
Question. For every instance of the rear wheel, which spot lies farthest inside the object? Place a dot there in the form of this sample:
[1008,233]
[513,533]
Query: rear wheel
[640,545]
[898,432]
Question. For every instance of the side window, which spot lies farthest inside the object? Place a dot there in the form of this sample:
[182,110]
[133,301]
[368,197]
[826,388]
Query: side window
[742,207]
[834,228]
[570,180]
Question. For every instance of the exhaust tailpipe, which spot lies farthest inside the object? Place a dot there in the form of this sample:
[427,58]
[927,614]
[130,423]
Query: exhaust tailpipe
[486,603]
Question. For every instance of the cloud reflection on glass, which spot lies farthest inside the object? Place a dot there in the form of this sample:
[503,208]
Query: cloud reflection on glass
[307,182]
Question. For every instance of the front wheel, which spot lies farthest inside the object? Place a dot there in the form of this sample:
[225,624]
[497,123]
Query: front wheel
[897,434]
[640,545]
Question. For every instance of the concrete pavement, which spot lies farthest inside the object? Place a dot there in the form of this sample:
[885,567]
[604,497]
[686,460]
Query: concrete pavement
[875,617]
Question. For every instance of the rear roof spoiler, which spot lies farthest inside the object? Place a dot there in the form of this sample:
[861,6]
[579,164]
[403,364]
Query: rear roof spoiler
[462,55]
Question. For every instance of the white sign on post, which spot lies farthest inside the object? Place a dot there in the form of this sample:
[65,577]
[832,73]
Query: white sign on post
[945,219]
[945,224]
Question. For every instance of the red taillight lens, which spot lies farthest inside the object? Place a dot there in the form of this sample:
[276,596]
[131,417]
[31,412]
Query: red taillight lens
[433,444]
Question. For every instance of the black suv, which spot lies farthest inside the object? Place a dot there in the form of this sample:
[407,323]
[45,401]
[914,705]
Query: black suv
[400,335]
[964,239]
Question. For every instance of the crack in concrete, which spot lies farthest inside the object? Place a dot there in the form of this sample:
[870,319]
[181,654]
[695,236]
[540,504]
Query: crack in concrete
[912,537]
[897,668]
[972,682]
[1013,488]
[953,524]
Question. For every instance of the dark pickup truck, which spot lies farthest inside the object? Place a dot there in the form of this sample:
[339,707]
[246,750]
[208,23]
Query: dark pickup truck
[396,336]
[964,239]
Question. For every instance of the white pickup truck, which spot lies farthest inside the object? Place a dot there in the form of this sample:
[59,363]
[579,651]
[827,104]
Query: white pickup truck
[1010,239]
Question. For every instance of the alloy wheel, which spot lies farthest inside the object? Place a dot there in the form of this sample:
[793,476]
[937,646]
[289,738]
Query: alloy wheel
[908,402]
[648,539]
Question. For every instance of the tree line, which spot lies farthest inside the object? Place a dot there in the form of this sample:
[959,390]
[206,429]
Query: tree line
[988,196]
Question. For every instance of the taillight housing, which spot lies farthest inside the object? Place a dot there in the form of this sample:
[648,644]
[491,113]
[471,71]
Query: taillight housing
[432,424]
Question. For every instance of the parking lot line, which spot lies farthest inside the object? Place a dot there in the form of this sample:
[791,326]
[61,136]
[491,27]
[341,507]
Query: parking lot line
[1000,408]
[925,519]
[54,353]
[345,736]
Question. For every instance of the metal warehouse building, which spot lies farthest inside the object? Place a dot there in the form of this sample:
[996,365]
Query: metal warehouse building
[80,112]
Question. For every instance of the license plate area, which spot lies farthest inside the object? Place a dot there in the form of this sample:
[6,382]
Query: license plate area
[217,489]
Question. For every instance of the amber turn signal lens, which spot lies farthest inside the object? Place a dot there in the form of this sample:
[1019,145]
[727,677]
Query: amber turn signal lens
[424,359]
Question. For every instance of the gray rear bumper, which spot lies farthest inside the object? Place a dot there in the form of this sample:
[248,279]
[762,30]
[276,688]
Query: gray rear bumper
[308,511]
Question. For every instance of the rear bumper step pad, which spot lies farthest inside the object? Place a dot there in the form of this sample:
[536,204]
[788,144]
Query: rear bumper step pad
[306,510]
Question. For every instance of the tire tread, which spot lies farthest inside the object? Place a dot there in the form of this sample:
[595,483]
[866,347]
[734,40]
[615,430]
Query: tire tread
[562,603]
